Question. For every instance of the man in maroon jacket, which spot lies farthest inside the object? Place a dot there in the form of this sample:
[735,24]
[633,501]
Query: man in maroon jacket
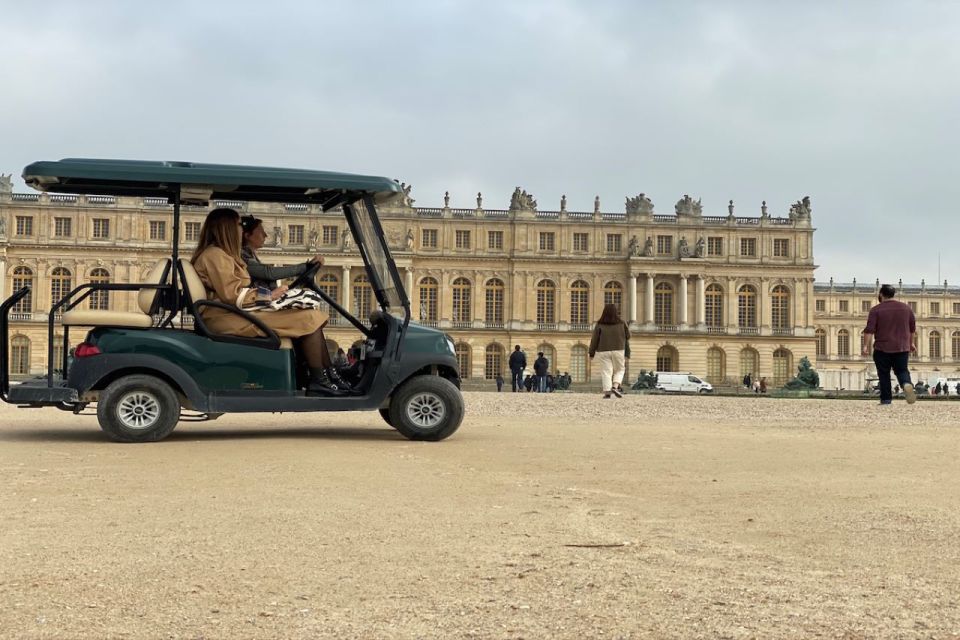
[889,335]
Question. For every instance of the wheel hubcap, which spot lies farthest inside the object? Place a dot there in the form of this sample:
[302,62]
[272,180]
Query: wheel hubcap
[138,410]
[426,410]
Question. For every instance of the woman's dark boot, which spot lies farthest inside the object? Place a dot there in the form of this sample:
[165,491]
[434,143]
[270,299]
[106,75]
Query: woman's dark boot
[335,378]
[321,385]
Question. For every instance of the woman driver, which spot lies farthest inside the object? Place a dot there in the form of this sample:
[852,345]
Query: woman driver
[254,238]
[224,273]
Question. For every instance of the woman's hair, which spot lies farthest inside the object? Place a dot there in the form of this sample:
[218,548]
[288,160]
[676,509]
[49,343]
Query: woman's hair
[220,230]
[610,315]
[250,225]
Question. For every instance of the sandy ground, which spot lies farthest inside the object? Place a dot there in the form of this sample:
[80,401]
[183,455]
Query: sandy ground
[556,516]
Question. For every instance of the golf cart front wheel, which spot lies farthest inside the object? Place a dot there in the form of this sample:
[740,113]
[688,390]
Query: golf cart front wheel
[426,408]
[138,408]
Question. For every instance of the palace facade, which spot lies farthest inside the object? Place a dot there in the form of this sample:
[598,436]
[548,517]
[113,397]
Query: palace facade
[718,296]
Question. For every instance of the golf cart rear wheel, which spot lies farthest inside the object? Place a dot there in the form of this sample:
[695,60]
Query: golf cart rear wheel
[385,414]
[426,408]
[138,408]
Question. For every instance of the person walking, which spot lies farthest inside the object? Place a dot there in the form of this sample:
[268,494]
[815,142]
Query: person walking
[889,334]
[748,382]
[610,344]
[763,385]
[499,380]
[541,366]
[518,362]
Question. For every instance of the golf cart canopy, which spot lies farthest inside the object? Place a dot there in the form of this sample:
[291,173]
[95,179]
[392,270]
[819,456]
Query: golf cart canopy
[198,182]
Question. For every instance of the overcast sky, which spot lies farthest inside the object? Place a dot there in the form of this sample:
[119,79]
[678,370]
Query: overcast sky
[855,104]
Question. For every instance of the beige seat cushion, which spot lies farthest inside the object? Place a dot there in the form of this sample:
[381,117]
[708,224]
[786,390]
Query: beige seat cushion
[286,343]
[94,318]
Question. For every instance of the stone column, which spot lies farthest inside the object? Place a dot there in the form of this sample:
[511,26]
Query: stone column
[701,302]
[732,306]
[345,289]
[648,301]
[408,283]
[633,297]
[3,278]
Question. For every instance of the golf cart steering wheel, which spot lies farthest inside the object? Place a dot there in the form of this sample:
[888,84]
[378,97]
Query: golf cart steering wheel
[305,279]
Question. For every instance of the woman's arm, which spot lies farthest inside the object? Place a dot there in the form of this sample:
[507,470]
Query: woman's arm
[594,339]
[260,271]
[626,341]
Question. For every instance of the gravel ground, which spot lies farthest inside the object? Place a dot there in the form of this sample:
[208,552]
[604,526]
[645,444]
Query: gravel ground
[545,516]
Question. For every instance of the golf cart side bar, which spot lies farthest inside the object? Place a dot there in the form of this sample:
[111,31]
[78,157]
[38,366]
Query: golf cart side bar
[394,272]
[176,250]
[8,304]
[372,274]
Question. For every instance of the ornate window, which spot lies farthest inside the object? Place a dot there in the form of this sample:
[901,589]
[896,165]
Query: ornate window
[493,303]
[428,300]
[581,242]
[614,242]
[61,282]
[362,297]
[493,361]
[747,307]
[716,365]
[462,307]
[782,366]
[100,300]
[158,230]
[667,359]
[495,240]
[23,277]
[935,350]
[715,246]
[462,350]
[748,247]
[24,225]
[546,302]
[664,245]
[843,343]
[821,341]
[191,231]
[750,363]
[613,294]
[578,364]
[62,227]
[330,235]
[330,285]
[548,241]
[295,234]
[955,345]
[428,238]
[713,305]
[462,237]
[780,307]
[20,355]
[580,303]
[781,248]
[101,228]
[663,307]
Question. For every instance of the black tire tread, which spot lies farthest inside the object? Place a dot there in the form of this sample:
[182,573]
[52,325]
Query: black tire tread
[435,384]
[169,406]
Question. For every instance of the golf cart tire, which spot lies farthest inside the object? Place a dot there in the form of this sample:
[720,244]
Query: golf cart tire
[138,408]
[437,397]
[385,414]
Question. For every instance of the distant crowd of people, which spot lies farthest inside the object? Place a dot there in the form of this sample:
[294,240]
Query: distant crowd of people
[540,381]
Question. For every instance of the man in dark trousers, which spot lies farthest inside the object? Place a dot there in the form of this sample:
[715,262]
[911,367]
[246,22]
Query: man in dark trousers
[540,368]
[891,326]
[518,362]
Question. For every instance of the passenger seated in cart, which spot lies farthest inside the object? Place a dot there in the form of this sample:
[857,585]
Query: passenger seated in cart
[254,237]
[224,274]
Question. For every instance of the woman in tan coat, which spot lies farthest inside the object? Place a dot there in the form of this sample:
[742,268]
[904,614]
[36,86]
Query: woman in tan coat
[224,274]
[610,344]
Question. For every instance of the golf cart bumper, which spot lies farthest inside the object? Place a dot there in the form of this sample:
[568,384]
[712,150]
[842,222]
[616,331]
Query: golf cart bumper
[37,393]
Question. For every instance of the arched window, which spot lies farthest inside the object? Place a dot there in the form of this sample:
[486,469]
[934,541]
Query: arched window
[429,290]
[462,350]
[955,345]
[713,305]
[716,365]
[61,282]
[100,300]
[578,364]
[546,302]
[663,306]
[747,307]
[613,294]
[493,303]
[493,361]
[550,354]
[782,366]
[821,338]
[20,355]
[935,350]
[58,353]
[843,343]
[750,363]
[580,303]
[330,285]
[362,297]
[667,359]
[23,277]
[462,308]
[780,308]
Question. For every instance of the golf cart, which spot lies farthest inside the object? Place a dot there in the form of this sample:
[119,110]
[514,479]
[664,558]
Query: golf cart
[142,368]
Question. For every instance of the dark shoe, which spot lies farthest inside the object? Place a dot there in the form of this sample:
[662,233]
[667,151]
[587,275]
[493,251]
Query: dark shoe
[321,385]
[886,402]
[334,376]
[606,395]
[617,392]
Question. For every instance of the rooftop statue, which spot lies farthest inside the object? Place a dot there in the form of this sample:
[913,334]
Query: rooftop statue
[648,247]
[684,248]
[801,208]
[522,201]
[806,377]
[404,196]
[687,206]
[639,205]
[6,184]
[633,249]
[701,245]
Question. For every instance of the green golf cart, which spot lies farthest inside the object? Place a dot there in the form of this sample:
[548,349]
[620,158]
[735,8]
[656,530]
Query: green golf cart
[142,368]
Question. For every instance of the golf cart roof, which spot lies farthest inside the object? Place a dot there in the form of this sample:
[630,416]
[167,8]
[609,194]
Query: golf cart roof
[199,182]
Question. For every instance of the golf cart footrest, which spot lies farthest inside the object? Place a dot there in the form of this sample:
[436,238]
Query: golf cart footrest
[38,395]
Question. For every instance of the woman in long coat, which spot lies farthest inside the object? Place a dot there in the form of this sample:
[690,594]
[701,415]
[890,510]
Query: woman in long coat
[224,274]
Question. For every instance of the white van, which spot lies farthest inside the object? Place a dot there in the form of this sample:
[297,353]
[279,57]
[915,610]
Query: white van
[672,381]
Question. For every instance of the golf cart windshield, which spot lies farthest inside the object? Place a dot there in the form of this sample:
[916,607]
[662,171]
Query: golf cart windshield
[370,239]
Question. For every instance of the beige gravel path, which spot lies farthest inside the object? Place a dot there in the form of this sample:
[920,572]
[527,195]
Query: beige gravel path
[555,516]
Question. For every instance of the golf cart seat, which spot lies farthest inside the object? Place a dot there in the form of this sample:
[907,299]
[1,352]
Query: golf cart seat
[146,300]
[195,291]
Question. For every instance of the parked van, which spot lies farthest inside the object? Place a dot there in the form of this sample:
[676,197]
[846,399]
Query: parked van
[672,381]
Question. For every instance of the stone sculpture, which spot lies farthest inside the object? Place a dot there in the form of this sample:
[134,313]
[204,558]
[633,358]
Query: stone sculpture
[684,249]
[563,202]
[639,205]
[806,377]
[345,239]
[701,248]
[687,206]
[633,249]
[277,236]
[596,204]
[522,201]
[801,208]
[479,200]
[646,380]
[648,248]
[314,240]
[409,240]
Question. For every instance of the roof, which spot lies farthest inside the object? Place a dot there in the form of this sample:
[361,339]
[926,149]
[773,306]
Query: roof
[203,182]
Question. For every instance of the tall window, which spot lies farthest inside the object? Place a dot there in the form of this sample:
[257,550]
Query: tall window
[61,282]
[58,352]
[613,294]
[428,238]
[843,306]
[934,308]
[362,296]
[614,243]
[748,247]
[462,350]
[663,306]
[955,345]
[101,228]
[20,355]
[462,238]
[865,306]
[580,243]
[781,248]
[716,365]
[493,361]
[100,300]
[330,285]
[546,302]
[750,363]
[330,235]
[428,300]
[495,240]
[667,359]
[780,307]
[715,246]
[820,305]
[580,303]
[550,354]
[843,343]
[191,231]
[747,306]
[493,303]
[24,225]
[462,307]
[782,366]
[158,230]
[23,277]
[935,351]
[821,339]
[548,241]
[295,234]
[578,363]
[62,227]
[713,305]
[664,245]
